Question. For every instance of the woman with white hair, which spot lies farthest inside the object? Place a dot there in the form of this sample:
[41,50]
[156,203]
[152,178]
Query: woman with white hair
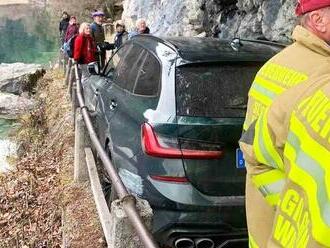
[84,45]
[84,49]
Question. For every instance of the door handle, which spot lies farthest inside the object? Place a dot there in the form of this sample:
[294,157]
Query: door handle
[113,104]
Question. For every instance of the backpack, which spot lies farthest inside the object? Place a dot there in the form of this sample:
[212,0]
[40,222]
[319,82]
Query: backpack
[68,46]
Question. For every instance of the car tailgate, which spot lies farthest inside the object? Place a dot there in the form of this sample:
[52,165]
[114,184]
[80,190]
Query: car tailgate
[216,176]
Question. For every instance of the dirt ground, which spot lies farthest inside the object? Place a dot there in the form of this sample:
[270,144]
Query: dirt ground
[39,196]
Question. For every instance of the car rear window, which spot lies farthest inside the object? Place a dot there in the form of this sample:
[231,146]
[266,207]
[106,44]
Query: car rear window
[214,90]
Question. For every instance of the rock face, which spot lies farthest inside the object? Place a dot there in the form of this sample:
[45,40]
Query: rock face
[257,19]
[272,20]
[16,82]
[17,78]
[11,106]
[167,17]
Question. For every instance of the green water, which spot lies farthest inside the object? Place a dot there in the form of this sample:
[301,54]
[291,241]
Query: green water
[28,40]
[6,127]
[8,146]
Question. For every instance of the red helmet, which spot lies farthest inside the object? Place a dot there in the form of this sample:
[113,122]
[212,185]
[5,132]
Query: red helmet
[305,6]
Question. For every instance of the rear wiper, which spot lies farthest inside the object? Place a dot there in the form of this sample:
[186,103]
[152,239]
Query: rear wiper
[243,106]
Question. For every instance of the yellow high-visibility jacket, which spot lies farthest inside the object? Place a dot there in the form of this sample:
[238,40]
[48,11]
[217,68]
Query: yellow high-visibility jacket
[292,137]
[291,67]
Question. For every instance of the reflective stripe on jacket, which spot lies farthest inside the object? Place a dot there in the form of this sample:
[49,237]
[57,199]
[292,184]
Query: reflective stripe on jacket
[298,128]
[290,68]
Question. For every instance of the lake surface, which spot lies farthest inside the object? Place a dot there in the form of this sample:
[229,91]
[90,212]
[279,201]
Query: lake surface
[28,37]
[8,146]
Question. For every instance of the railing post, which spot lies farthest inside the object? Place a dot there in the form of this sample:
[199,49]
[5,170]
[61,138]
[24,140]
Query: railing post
[81,141]
[72,78]
[68,72]
[123,234]
[65,62]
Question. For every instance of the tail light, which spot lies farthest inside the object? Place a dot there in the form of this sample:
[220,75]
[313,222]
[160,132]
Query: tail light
[157,146]
[170,179]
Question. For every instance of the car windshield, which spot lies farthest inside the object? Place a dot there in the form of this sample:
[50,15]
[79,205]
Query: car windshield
[214,90]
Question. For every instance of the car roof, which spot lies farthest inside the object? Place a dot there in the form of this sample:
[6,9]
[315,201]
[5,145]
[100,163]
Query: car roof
[196,49]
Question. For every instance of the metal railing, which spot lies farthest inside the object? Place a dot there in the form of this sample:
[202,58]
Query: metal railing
[128,200]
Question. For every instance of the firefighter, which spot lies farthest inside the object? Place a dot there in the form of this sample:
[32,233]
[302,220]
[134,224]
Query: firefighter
[290,68]
[297,126]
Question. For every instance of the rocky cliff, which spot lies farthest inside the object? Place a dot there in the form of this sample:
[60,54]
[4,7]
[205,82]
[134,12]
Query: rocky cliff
[262,19]
[17,82]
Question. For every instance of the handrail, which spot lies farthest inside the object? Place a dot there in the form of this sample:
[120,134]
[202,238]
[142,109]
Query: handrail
[129,202]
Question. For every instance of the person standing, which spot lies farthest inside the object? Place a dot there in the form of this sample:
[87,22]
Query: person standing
[72,29]
[98,34]
[298,122]
[97,30]
[121,34]
[141,28]
[291,67]
[84,50]
[64,23]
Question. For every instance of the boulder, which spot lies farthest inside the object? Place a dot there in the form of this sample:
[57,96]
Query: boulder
[17,78]
[11,106]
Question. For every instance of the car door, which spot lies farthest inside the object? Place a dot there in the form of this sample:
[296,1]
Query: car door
[103,92]
[134,95]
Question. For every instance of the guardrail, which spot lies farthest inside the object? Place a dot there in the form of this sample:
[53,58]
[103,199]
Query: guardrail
[128,200]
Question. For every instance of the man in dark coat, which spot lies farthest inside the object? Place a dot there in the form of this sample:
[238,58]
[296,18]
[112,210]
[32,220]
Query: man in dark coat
[98,34]
[64,23]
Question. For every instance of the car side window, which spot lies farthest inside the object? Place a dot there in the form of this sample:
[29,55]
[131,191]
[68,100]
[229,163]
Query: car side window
[148,80]
[114,62]
[128,68]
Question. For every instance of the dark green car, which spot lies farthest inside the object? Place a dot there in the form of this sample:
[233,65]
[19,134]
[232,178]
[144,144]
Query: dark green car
[170,113]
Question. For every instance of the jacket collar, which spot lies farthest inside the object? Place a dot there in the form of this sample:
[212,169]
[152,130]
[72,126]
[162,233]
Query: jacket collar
[311,41]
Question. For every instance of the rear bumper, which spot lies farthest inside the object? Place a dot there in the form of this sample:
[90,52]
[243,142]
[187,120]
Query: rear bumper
[180,210]
[183,203]
[209,225]
[187,194]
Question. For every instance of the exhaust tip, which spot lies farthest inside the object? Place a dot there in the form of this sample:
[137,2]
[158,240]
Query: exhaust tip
[184,243]
[204,243]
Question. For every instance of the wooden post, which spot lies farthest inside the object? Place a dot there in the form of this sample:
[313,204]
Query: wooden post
[81,141]
[68,72]
[123,234]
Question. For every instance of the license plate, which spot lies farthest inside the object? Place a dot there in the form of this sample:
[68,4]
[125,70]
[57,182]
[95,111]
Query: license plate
[240,162]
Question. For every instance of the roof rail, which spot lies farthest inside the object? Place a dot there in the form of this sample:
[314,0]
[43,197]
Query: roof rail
[156,38]
[265,42]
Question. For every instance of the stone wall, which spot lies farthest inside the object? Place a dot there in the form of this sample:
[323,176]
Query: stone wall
[170,17]
[262,19]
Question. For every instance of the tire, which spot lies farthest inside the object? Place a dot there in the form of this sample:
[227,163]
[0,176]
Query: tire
[107,187]
[113,196]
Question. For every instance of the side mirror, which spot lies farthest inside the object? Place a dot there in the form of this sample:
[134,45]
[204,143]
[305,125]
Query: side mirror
[93,68]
